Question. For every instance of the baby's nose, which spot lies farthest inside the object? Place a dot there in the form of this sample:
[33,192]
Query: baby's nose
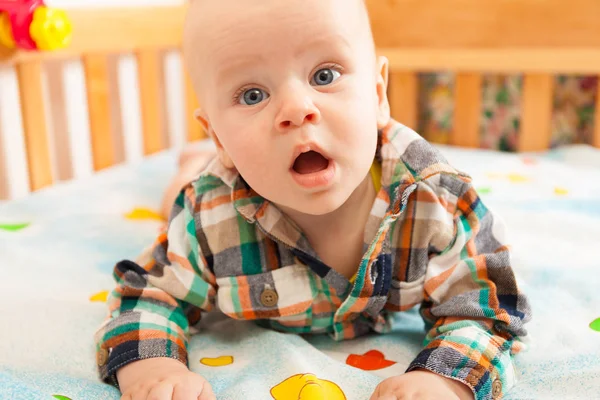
[297,111]
[286,123]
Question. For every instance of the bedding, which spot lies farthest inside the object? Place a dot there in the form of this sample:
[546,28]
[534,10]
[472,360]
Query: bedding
[58,247]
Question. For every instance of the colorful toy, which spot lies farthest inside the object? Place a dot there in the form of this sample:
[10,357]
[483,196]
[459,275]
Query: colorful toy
[307,387]
[31,25]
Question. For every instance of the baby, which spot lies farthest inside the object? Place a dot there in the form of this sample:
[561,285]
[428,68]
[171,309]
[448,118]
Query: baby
[319,214]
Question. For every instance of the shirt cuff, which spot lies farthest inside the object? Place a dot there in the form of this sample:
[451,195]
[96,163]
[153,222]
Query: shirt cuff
[110,361]
[489,374]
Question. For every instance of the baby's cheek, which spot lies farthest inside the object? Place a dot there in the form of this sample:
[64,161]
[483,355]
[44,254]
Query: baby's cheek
[254,163]
[246,158]
[360,137]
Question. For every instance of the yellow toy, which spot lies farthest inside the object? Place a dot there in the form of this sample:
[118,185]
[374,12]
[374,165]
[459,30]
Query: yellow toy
[31,25]
[307,387]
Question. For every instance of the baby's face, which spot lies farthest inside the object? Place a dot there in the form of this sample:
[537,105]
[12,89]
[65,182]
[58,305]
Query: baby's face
[292,93]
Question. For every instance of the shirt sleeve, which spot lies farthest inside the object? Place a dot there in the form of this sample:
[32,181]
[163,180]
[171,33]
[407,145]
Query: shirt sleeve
[158,298]
[473,309]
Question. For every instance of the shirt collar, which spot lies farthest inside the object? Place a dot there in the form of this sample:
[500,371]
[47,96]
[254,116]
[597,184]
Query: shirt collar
[400,168]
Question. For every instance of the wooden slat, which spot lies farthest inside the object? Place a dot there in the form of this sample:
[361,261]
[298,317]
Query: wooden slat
[536,117]
[485,24]
[57,107]
[596,137]
[467,110]
[150,99]
[109,30]
[433,24]
[34,124]
[96,77]
[404,98]
[506,60]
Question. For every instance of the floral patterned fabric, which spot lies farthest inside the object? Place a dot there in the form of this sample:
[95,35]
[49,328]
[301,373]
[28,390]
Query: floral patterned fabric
[572,120]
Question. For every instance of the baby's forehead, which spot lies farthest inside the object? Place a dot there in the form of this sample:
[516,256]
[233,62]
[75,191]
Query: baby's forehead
[227,33]
[265,5]
[212,20]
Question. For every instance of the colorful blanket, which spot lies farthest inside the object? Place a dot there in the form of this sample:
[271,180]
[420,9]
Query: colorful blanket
[58,247]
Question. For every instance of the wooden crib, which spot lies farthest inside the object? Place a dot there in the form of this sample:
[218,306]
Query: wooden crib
[468,37]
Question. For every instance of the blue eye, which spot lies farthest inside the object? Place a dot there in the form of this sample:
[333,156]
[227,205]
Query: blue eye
[325,76]
[253,96]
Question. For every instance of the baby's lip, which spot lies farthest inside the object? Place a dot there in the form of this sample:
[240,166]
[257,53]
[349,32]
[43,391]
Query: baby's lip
[305,148]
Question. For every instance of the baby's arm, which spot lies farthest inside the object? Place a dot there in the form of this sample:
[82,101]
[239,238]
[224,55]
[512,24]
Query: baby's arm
[191,162]
[142,346]
[472,306]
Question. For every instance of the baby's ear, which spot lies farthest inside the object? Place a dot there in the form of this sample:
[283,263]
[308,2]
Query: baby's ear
[221,152]
[383,105]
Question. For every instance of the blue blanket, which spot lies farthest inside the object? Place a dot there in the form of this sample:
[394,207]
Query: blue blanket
[58,247]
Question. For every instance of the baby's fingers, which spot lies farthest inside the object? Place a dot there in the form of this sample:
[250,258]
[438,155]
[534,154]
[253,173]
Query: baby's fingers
[195,391]
[141,393]
[163,391]
[376,394]
[207,393]
[383,394]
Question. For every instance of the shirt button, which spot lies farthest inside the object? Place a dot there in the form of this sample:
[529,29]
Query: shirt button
[496,388]
[269,298]
[101,357]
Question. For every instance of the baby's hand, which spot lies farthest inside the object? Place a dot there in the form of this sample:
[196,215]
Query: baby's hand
[162,379]
[422,385]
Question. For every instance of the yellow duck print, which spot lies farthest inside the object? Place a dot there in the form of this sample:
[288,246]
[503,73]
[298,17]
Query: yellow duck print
[99,297]
[217,361]
[141,213]
[307,387]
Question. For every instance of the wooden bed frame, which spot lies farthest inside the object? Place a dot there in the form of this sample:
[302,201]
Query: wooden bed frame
[468,37]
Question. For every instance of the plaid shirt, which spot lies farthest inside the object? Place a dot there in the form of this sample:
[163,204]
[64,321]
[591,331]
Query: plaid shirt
[429,241]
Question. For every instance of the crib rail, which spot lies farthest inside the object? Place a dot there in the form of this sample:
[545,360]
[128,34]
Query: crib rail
[471,38]
[538,66]
[99,34]
[468,37]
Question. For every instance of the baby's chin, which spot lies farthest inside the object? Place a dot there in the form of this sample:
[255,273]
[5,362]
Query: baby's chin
[317,210]
[315,205]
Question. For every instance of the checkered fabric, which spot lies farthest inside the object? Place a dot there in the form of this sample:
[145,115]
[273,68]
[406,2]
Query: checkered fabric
[429,241]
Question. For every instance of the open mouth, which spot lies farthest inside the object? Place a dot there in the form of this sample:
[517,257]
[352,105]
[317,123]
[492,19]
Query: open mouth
[310,162]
